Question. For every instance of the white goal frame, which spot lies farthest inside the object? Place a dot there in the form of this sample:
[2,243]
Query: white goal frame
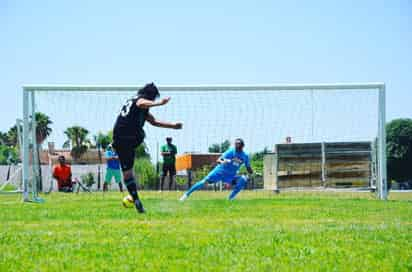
[29,92]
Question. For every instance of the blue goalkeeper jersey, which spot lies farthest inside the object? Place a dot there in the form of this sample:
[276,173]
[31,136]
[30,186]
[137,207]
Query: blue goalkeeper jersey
[236,161]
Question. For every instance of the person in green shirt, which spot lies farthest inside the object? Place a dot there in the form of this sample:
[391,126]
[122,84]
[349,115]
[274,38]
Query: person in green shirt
[168,151]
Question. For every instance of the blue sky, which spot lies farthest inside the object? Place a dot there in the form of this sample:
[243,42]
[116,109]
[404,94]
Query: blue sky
[188,42]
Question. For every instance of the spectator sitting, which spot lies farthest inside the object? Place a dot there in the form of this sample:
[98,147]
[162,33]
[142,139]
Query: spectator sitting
[63,175]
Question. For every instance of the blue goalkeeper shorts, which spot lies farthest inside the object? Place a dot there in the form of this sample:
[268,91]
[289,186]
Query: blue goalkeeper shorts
[217,175]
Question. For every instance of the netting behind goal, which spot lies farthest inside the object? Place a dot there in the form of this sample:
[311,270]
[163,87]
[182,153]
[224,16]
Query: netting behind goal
[262,115]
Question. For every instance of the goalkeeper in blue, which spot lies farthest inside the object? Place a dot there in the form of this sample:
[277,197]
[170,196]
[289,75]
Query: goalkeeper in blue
[226,171]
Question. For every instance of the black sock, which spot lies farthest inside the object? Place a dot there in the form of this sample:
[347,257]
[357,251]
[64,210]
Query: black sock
[132,188]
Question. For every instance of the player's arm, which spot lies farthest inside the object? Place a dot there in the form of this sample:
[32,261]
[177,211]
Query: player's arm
[108,156]
[172,151]
[146,103]
[157,123]
[225,158]
[111,157]
[248,166]
[223,161]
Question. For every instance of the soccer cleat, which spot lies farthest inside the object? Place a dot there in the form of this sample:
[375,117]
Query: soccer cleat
[183,198]
[139,206]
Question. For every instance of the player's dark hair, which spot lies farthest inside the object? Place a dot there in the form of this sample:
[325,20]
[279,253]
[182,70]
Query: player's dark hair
[241,141]
[149,91]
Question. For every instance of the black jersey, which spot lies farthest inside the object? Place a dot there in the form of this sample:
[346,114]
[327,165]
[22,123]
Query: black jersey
[129,124]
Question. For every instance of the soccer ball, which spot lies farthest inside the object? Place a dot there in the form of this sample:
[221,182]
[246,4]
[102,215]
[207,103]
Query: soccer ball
[128,201]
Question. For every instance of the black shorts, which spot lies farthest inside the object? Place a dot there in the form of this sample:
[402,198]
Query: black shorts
[126,151]
[169,168]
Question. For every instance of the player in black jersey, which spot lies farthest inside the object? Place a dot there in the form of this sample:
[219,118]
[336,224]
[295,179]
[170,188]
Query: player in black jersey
[128,132]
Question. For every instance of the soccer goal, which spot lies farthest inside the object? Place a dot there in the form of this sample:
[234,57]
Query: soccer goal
[263,115]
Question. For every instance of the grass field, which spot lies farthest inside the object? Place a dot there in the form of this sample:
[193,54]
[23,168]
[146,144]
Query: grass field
[259,232]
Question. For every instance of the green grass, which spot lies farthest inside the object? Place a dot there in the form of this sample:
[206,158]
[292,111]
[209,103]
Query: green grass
[9,187]
[259,232]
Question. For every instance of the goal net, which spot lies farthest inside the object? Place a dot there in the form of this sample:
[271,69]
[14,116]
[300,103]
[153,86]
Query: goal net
[263,115]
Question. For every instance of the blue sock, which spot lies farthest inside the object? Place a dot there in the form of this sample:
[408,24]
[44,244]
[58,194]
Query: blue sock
[197,186]
[240,184]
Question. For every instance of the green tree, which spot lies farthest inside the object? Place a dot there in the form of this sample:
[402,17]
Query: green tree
[103,140]
[258,156]
[399,149]
[219,148]
[142,151]
[256,161]
[77,140]
[3,138]
[8,154]
[43,129]
[11,138]
[145,171]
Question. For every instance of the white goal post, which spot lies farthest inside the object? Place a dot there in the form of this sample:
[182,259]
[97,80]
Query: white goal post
[305,105]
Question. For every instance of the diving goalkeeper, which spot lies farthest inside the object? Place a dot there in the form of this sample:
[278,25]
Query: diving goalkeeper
[226,171]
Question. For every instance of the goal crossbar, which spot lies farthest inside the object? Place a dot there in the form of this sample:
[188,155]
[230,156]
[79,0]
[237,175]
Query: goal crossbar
[219,87]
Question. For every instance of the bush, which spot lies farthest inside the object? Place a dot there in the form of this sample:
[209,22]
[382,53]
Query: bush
[88,179]
[202,172]
[146,173]
[181,180]
[399,149]
[8,154]
[256,162]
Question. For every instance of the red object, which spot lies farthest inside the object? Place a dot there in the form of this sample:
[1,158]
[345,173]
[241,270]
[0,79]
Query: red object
[62,173]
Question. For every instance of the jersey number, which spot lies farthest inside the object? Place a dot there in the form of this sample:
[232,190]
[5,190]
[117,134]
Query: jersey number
[126,108]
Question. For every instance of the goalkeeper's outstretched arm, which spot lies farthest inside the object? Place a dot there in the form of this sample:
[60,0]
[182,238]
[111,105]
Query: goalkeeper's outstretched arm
[157,123]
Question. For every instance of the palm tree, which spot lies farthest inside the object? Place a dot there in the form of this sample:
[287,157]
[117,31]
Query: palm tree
[12,136]
[103,140]
[43,129]
[3,138]
[77,139]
